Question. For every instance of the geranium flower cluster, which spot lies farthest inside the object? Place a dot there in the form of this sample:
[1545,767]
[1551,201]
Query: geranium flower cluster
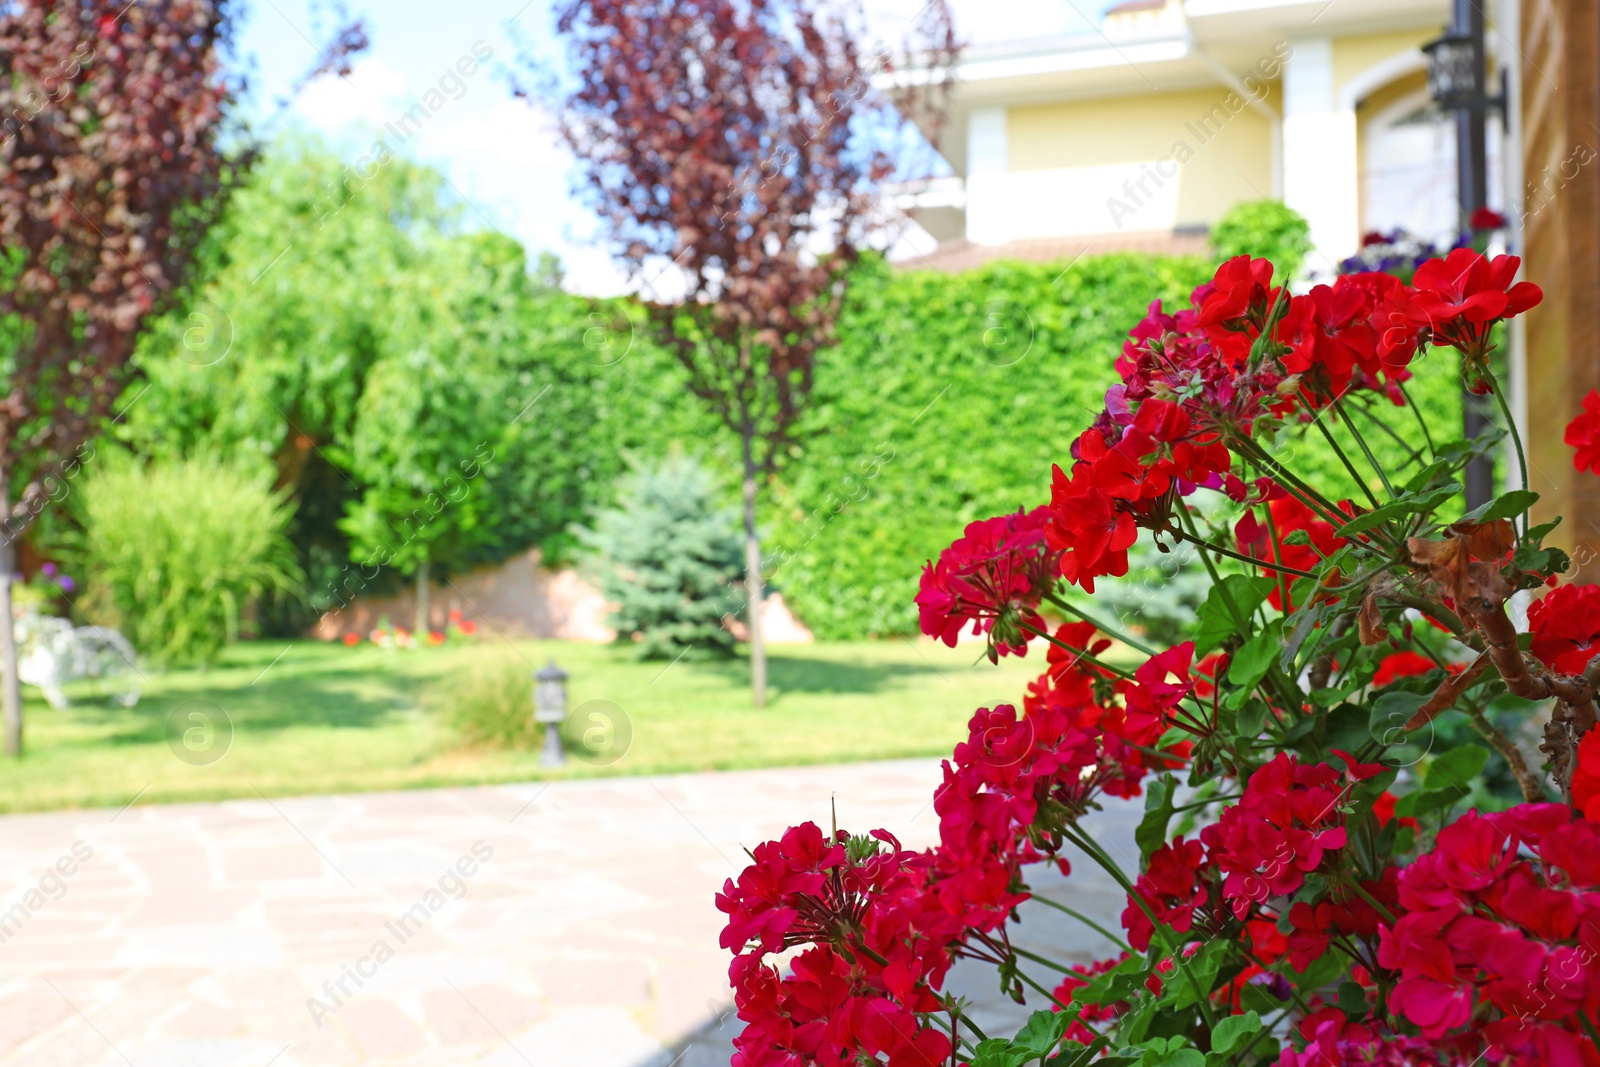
[1293,883]
[1285,823]
[992,577]
[1500,935]
[876,952]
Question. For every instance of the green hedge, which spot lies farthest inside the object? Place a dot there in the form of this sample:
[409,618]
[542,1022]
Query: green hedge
[947,400]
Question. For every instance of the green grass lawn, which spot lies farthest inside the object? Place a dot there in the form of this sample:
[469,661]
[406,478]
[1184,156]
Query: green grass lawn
[309,717]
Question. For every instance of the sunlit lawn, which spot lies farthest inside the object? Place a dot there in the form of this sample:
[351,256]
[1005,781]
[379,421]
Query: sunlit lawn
[309,717]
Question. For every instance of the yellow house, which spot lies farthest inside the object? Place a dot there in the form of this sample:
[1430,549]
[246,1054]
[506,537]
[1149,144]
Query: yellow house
[1142,131]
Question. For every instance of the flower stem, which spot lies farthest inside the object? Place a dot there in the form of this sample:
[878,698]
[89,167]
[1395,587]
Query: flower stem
[1252,560]
[1085,920]
[1388,916]
[1091,657]
[1516,438]
[1355,476]
[1098,625]
[1036,958]
[1094,852]
[1361,442]
[1422,422]
[1291,484]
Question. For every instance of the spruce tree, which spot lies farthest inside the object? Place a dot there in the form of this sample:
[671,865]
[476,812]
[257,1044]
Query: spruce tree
[667,554]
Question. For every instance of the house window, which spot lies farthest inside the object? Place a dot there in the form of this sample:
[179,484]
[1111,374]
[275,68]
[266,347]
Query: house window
[1408,180]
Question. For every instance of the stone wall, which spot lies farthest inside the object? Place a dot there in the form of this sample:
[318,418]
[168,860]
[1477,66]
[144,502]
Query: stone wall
[520,598]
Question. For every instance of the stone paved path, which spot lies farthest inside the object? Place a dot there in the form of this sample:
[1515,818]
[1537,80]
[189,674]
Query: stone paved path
[568,924]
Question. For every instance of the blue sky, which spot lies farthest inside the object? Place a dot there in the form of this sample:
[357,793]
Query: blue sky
[500,153]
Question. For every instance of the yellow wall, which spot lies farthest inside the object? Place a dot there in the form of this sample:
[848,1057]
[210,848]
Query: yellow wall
[1354,55]
[1231,155]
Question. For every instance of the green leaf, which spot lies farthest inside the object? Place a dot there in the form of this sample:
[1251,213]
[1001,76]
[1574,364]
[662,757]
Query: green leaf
[1216,621]
[1423,801]
[1504,506]
[1158,808]
[1183,1057]
[997,1052]
[1252,718]
[1420,503]
[1428,475]
[1231,1030]
[1540,532]
[1306,620]
[1252,662]
[1196,976]
[1456,767]
[1320,971]
[1042,1032]
[1346,727]
[1390,713]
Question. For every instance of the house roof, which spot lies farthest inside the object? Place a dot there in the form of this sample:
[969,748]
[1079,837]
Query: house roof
[953,257]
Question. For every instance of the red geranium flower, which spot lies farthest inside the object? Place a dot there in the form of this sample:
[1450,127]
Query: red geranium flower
[1278,832]
[1583,434]
[1088,528]
[993,577]
[1254,538]
[1565,624]
[1399,665]
[1172,888]
[1487,218]
[1496,933]
[1586,782]
[1461,296]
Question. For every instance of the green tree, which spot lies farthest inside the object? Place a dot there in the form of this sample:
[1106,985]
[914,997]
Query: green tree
[352,334]
[666,553]
[274,350]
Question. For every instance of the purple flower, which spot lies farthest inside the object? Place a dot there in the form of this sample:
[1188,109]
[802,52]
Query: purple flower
[66,583]
[48,570]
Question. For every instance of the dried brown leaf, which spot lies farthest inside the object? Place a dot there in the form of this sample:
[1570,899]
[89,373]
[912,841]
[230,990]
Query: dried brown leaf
[1487,540]
[1369,622]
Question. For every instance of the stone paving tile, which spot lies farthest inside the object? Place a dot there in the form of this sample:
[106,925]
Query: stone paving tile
[569,923]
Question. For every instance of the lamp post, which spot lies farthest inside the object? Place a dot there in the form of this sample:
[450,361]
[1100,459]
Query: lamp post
[550,710]
[1456,82]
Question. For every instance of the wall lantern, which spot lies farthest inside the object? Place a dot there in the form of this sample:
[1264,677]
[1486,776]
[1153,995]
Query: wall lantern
[1456,74]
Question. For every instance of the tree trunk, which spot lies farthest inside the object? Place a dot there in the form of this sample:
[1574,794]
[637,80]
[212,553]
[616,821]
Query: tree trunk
[752,573]
[10,685]
[421,633]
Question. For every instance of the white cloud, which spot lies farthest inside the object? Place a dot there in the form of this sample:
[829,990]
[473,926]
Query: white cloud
[370,94]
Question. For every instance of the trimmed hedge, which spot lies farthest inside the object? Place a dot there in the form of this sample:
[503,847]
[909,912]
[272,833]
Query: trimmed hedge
[947,400]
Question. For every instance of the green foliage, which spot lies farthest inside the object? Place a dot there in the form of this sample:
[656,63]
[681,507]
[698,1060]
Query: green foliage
[666,554]
[381,348]
[1264,229]
[354,335]
[948,398]
[173,552]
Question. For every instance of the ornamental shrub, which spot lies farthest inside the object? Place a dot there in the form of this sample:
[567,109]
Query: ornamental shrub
[1267,228]
[173,553]
[667,555]
[1336,905]
[491,704]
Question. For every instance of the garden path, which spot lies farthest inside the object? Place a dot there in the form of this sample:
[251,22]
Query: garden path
[551,925]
